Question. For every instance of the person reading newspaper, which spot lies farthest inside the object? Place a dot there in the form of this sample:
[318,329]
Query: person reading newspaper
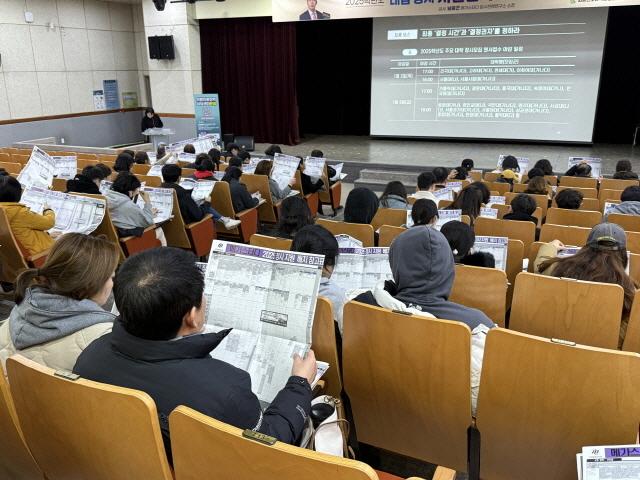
[157,346]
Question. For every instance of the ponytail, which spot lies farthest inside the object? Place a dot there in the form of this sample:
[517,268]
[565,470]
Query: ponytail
[25,280]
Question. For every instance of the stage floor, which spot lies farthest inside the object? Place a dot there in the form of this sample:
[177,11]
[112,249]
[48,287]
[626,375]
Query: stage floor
[449,154]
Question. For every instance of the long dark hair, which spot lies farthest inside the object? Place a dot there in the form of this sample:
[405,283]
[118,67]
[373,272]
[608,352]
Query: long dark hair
[232,173]
[593,265]
[294,214]
[393,188]
[469,200]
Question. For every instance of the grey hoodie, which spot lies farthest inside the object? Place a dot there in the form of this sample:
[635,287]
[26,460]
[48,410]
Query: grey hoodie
[423,270]
[626,208]
[125,214]
[42,317]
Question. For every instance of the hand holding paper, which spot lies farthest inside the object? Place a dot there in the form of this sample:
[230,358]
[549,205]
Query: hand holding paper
[305,367]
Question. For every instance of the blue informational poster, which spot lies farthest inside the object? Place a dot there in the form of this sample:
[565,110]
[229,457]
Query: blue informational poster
[111,96]
[207,107]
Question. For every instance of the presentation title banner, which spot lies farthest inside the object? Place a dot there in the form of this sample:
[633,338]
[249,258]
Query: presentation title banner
[305,10]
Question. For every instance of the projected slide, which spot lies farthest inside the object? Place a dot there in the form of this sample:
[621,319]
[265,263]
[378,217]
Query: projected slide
[519,75]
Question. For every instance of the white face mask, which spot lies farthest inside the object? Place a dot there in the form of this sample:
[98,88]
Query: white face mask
[150,115]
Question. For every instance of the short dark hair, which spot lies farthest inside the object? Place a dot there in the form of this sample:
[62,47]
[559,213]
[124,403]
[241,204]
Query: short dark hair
[460,237]
[188,148]
[244,155]
[467,163]
[232,173]
[423,211]
[93,172]
[123,162]
[232,146]
[149,110]
[623,166]
[510,163]
[129,152]
[272,150]
[235,162]
[141,157]
[294,214]
[535,172]
[203,163]
[215,155]
[105,169]
[569,198]
[461,173]
[125,182]
[318,240]
[441,174]
[630,194]
[425,180]
[523,203]
[10,189]
[155,289]
[171,173]
[317,154]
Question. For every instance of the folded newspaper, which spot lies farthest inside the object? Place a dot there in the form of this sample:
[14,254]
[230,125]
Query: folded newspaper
[596,164]
[361,268]
[39,170]
[613,462]
[161,201]
[496,246]
[268,297]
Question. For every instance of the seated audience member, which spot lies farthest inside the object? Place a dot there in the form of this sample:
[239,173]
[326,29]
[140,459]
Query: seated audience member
[629,202]
[603,259]
[277,194]
[582,169]
[235,162]
[3,173]
[361,206]
[188,148]
[544,165]
[29,228]
[294,215]
[624,172]
[308,185]
[510,163]
[423,272]
[457,174]
[123,163]
[318,240]
[533,173]
[214,155]
[461,239]
[141,158]
[240,196]
[88,181]
[467,164]
[569,198]
[158,346]
[204,168]
[232,150]
[469,200]
[129,152]
[485,193]
[425,187]
[507,176]
[127,217]
[162,157]
[58,310]
[244,156]
[522,208]
[424,212]
[189,209]
[272,150]
[441,175]
[105,169]
[317,154]
[394,196]
[537,186]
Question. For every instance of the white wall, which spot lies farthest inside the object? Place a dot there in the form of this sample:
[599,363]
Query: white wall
[233,9]
[54,71]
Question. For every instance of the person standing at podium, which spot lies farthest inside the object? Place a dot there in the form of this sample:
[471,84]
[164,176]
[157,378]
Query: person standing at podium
[150,120]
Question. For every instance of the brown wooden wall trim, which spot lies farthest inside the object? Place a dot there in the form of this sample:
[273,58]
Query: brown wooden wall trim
[67,115]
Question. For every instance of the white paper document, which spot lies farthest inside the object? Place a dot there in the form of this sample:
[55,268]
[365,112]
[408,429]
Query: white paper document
[610,462]
[523,163]
[347,241]
[497,200]
[339,175]
[596,164]
[268,297]
[105,186]
[201,144]
[608,206]
[161,200]
[314,167]
[155,171]
[284,169]
[496,246]
[455,186]
[361,268]
[251,166]
[74,213]
[66,167]
[489,212]
[443,194]
[187,157]
[200,189]
[445,216]
[39,170]
[153,157]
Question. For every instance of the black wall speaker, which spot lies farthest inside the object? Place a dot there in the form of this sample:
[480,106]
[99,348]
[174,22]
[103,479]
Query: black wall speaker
[161,48]
[245,143]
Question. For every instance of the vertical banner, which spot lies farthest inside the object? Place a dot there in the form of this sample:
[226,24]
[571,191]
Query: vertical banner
[111,96]
[207,109]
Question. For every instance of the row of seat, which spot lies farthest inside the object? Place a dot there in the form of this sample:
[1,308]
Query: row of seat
[564,181]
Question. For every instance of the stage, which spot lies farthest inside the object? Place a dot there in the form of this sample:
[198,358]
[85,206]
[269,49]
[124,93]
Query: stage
[411,155]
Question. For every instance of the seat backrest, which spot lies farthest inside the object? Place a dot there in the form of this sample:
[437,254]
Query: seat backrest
[395,217]
[87,156]
[86,162]
[207,448]
[576,218]
[576,236]
[150,180]
[11,167]
[591,204]
[140,169]
[583,312]
[107,158]
[630,223]
[606,195]
[481,288]
[408,379]
[270,242]
[83,429]
[633,241]
[542,201]
[20,158]
[388,234]
[13,261]
[499,187]
[504,209]
[523,231]
[540,402]
[515,255]
[634,267]
[632,338]
[174,229]
[325,346]
[586,192]
[579,182]
[362,232]
[614,184]
[107,228]
[260,183]
[16,461]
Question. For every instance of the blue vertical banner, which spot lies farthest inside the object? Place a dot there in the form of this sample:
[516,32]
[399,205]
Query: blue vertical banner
[111,96]
[207,109]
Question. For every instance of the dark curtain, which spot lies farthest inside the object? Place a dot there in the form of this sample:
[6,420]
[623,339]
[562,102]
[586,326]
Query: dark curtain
[334,76]
[251,64]
[619,99]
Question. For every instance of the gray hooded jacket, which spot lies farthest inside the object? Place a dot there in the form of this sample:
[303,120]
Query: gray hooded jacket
[125,214]
[626,208]
[423,270]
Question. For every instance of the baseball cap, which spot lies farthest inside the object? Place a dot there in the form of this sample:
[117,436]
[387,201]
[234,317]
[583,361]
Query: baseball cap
[508,174]
[607,236]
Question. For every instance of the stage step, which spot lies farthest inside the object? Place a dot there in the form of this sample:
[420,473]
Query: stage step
[376,180]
